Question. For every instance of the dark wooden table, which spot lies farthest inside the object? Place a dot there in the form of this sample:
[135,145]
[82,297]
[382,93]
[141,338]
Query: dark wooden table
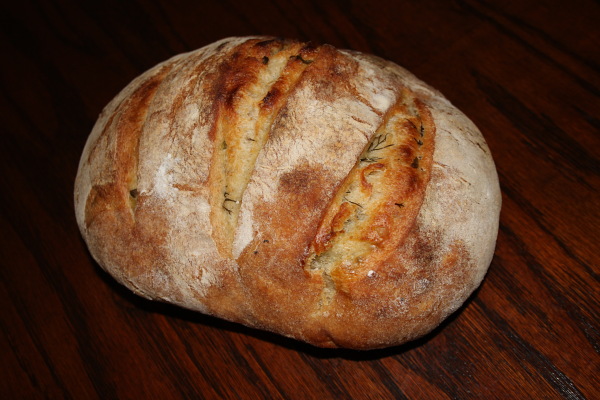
[526,72]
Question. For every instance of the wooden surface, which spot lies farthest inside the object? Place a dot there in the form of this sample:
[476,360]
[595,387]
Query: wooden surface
[526,72]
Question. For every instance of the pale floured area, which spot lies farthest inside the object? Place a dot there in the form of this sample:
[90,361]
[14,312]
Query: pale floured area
[379,90]
[464,159]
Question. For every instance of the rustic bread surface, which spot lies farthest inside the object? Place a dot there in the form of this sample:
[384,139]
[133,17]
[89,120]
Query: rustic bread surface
[322,194]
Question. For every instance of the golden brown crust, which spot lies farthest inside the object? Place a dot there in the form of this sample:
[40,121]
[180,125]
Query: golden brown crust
[325,195]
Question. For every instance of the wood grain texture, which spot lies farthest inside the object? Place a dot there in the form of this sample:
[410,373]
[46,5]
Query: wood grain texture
[525,72]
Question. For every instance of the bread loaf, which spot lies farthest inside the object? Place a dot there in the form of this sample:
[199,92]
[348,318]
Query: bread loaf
[322,194]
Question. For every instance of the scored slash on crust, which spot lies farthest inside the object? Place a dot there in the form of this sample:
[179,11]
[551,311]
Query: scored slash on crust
[377,204]
[253,87]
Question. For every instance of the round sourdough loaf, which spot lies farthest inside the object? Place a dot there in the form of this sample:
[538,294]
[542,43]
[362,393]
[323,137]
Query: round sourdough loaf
[322,194]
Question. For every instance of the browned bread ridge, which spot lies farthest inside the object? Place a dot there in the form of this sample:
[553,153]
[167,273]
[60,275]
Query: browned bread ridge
[322,194]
